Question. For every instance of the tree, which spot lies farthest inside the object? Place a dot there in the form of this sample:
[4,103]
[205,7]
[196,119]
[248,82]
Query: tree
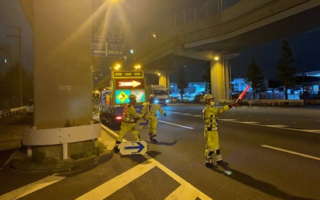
[207,78]
[10,87]
[254,77]
[285,69]
[182,84]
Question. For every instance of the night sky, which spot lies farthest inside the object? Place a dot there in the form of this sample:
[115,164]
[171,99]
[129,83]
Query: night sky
[143,13]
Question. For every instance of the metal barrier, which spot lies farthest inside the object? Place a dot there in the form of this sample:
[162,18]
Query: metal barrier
[12,111]
[272,101]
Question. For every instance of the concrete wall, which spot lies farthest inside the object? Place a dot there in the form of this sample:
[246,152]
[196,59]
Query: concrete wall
[62,67]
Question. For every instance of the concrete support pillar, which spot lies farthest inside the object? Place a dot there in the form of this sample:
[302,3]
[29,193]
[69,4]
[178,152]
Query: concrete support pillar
[219,70]
[62,78]
[217,73]
[164,80]
[62,63]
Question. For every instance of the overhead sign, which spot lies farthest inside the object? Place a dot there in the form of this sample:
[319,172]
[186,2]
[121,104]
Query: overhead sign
[107,45]
[136,74]
[132,148]
[129,83]
[115,45]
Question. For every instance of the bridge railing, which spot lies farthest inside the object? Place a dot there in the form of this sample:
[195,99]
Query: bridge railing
[273,101]
[12,111]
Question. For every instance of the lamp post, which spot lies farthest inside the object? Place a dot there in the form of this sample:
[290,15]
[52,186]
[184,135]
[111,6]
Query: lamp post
[18,36]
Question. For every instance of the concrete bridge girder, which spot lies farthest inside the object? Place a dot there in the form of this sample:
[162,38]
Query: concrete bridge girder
[219,69]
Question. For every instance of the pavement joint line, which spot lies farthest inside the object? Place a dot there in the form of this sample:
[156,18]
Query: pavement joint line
[291,152]
[191,189]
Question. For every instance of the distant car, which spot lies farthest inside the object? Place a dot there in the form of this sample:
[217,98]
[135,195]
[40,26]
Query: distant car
[30,106]
[174,100]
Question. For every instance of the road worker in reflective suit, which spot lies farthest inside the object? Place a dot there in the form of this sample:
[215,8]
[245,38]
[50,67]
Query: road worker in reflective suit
[129,118]
[150,111]
[211,130]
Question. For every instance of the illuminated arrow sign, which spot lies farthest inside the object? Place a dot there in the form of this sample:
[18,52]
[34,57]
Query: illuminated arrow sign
[133,84]
[129,148]
[129,83]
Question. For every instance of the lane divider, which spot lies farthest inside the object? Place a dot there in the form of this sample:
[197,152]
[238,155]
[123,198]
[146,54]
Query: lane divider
[291,152]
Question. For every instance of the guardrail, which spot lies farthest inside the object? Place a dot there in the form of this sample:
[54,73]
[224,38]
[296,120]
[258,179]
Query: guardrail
[12,111]
[272,101]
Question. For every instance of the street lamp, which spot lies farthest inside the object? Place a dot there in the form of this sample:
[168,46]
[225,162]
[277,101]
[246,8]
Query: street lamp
[18,36]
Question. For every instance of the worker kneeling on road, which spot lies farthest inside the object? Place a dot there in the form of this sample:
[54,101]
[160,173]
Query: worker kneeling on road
[211,130]
[129,118]
[150,111]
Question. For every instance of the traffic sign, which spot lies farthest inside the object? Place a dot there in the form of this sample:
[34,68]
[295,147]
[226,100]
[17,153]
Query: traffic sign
[122,96]
[107,45]
[140,94]
[125,74]
[133,148]
[129,83]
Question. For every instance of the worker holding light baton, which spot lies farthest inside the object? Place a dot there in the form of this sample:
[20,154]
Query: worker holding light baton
[211,128]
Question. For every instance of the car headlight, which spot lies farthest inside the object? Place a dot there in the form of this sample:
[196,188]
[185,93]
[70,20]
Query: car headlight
[167,100]
[156,100]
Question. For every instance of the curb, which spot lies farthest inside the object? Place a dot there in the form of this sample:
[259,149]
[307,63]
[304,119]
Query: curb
[23,163]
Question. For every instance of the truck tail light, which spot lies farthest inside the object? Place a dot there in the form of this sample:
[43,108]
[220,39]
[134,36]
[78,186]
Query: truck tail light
[118,118]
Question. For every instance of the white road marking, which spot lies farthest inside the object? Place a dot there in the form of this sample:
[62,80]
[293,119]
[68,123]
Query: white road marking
[110,187]
[250,122]
[187,127]
[255,123]
[32,187]
[291,152]
[277,126]
[185,190]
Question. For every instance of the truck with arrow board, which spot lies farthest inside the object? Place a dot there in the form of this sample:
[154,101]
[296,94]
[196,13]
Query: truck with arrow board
[114,98]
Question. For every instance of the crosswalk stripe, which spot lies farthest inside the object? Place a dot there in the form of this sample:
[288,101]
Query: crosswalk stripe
[108,188]
[27,189]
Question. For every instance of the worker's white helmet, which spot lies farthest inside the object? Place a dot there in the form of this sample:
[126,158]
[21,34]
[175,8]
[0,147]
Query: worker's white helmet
[151,96]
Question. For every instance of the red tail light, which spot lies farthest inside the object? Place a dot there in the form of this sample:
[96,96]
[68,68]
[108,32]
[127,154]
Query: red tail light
[118,118]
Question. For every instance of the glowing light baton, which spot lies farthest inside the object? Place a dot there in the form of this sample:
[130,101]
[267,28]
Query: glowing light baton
[243,93]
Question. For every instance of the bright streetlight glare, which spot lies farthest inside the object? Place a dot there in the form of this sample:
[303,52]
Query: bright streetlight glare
[216,58]
[137,66]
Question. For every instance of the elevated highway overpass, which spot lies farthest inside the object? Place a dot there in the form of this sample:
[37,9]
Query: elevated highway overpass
[245,24]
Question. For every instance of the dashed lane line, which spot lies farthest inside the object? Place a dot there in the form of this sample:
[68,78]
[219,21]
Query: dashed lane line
[279,126]
[173,124]
[30,188]
[291,152]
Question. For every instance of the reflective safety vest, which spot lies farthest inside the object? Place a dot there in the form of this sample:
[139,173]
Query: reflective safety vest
[129,113]
[151,109]
[209,116]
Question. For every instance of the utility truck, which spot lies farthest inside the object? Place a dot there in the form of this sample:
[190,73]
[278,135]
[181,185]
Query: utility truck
[160,92]
[114,98]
